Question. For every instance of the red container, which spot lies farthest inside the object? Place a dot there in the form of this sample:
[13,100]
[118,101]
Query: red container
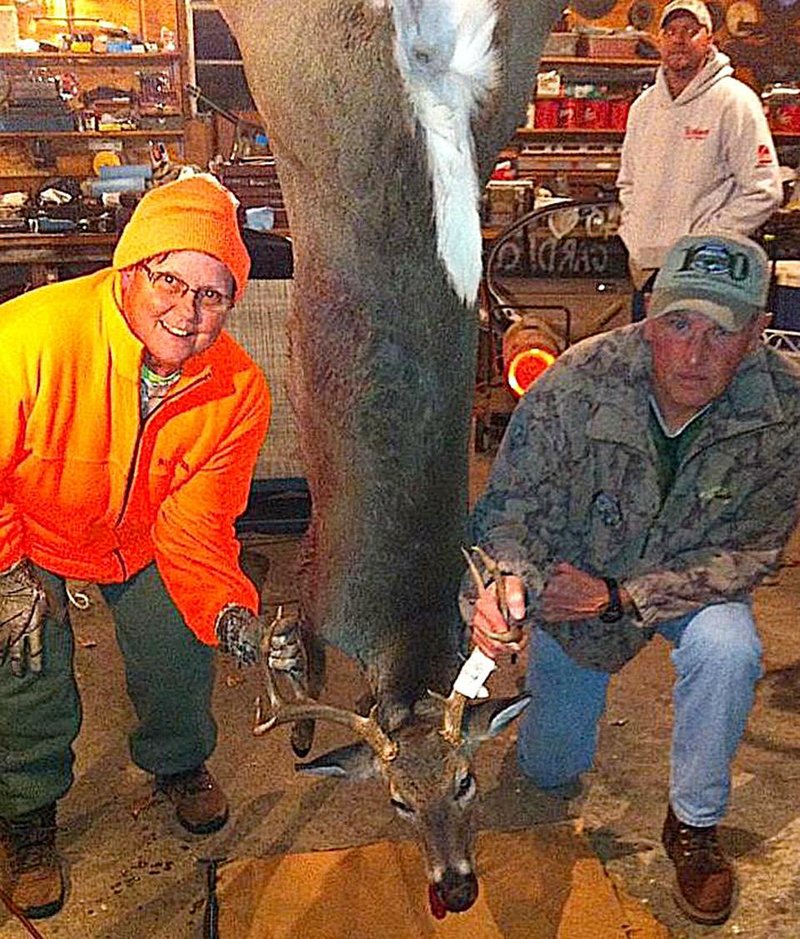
[618,113]
[786,117]
[545,115]
[595,113]
[568,115]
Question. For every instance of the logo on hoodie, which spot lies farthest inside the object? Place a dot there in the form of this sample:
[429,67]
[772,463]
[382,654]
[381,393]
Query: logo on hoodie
[695,133]
[764,155]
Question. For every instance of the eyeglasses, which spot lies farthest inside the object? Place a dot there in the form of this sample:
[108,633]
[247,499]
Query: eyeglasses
[683,31]
[169,288]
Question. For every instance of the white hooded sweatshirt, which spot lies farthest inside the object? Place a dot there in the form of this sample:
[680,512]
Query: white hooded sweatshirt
[703,162]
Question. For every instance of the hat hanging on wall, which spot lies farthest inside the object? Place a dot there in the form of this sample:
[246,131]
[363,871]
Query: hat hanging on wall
[640,14]
[741,18]
[592,9]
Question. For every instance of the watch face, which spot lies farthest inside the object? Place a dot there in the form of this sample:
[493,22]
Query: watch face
[611,615]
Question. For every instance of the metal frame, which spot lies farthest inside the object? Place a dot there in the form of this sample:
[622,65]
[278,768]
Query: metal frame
[786,340]
[499,312]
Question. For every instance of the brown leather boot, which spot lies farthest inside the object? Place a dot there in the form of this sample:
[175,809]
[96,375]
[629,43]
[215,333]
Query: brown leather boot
[200,803]
[706,879]
[37,881]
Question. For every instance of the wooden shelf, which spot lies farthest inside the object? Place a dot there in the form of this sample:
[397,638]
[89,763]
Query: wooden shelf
[583,60]
[57,239]
[568,133]
[613,136]
[97,70]
[87,134]
[90,58]
[33,173]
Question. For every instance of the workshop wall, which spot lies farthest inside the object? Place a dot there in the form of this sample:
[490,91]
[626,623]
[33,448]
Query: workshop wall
[762,37]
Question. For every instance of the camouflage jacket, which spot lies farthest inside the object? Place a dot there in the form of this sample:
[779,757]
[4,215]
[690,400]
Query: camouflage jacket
[576,479]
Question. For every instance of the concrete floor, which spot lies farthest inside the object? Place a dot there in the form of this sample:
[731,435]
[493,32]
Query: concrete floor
[134,873]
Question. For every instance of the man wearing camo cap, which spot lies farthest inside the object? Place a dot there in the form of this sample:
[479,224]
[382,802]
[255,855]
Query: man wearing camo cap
[646,484]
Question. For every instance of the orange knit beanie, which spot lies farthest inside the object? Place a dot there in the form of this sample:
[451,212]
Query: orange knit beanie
[192,214]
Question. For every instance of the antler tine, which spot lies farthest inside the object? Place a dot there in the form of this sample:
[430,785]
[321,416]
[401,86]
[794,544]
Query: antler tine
[495,573]
[367,728]
[305,708]
[452,717]
[473,570]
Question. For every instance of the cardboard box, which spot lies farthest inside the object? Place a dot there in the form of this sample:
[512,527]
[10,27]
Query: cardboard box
[9,29]
[539,884]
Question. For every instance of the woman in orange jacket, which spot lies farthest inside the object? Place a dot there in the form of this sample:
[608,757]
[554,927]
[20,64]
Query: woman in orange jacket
[130,431]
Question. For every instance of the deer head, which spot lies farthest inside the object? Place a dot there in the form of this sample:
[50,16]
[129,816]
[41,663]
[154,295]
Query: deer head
[425,760]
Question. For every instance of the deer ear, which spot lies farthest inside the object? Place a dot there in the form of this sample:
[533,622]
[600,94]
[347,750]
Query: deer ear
[355,762]
[489,718]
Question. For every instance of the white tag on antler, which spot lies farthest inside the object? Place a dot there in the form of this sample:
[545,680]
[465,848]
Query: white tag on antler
[473,675]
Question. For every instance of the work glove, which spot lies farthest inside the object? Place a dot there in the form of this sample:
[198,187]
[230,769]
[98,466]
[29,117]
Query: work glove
[23,607]
[240,633]
[287,651]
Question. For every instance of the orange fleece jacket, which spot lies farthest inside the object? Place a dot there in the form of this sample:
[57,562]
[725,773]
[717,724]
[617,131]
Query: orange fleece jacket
[90,492]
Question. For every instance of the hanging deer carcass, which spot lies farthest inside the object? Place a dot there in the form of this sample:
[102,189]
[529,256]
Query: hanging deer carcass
[370,107]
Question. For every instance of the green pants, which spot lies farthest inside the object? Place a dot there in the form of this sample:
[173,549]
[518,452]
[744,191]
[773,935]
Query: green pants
[169,675]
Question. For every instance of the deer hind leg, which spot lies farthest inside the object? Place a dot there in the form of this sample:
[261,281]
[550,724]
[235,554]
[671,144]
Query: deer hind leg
[255,566]
[302,734]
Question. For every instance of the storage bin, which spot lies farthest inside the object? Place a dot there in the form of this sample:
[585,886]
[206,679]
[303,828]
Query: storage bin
[611,46]
[785,116]
[618,109]
[32,119]
[561,44]
[546,114]
[568,114]
[594,113]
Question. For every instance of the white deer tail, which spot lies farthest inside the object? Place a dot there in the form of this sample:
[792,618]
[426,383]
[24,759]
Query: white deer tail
[444,53]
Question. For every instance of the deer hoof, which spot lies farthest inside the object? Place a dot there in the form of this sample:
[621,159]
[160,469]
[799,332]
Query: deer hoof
[302,737]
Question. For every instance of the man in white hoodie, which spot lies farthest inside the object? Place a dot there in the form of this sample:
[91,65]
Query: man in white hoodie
[698,155]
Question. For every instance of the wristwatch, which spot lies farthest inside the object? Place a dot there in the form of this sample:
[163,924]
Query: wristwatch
[614,611]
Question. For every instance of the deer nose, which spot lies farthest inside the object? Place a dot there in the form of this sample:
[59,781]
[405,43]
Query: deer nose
[457,891]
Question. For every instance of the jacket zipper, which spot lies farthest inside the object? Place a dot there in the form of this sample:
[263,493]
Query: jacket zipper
[137,447]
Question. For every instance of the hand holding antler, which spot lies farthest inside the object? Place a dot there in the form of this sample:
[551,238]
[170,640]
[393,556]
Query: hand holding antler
[500,603]
[285,648]
[279,647]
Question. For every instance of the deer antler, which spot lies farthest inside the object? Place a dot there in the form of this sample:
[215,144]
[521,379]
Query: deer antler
[452,715]
[495,575]
[306,708]
[455,702]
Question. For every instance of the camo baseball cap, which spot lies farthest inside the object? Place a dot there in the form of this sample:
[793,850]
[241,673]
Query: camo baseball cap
[724,277]
[697,8]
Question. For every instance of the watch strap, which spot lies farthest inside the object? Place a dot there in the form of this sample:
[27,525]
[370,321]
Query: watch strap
[614,611]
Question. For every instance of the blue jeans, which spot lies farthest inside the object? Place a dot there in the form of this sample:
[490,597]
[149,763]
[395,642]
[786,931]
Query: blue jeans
[717,659]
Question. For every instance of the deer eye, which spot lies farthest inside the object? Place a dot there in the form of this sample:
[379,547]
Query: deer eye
[402,807]
[466,786]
